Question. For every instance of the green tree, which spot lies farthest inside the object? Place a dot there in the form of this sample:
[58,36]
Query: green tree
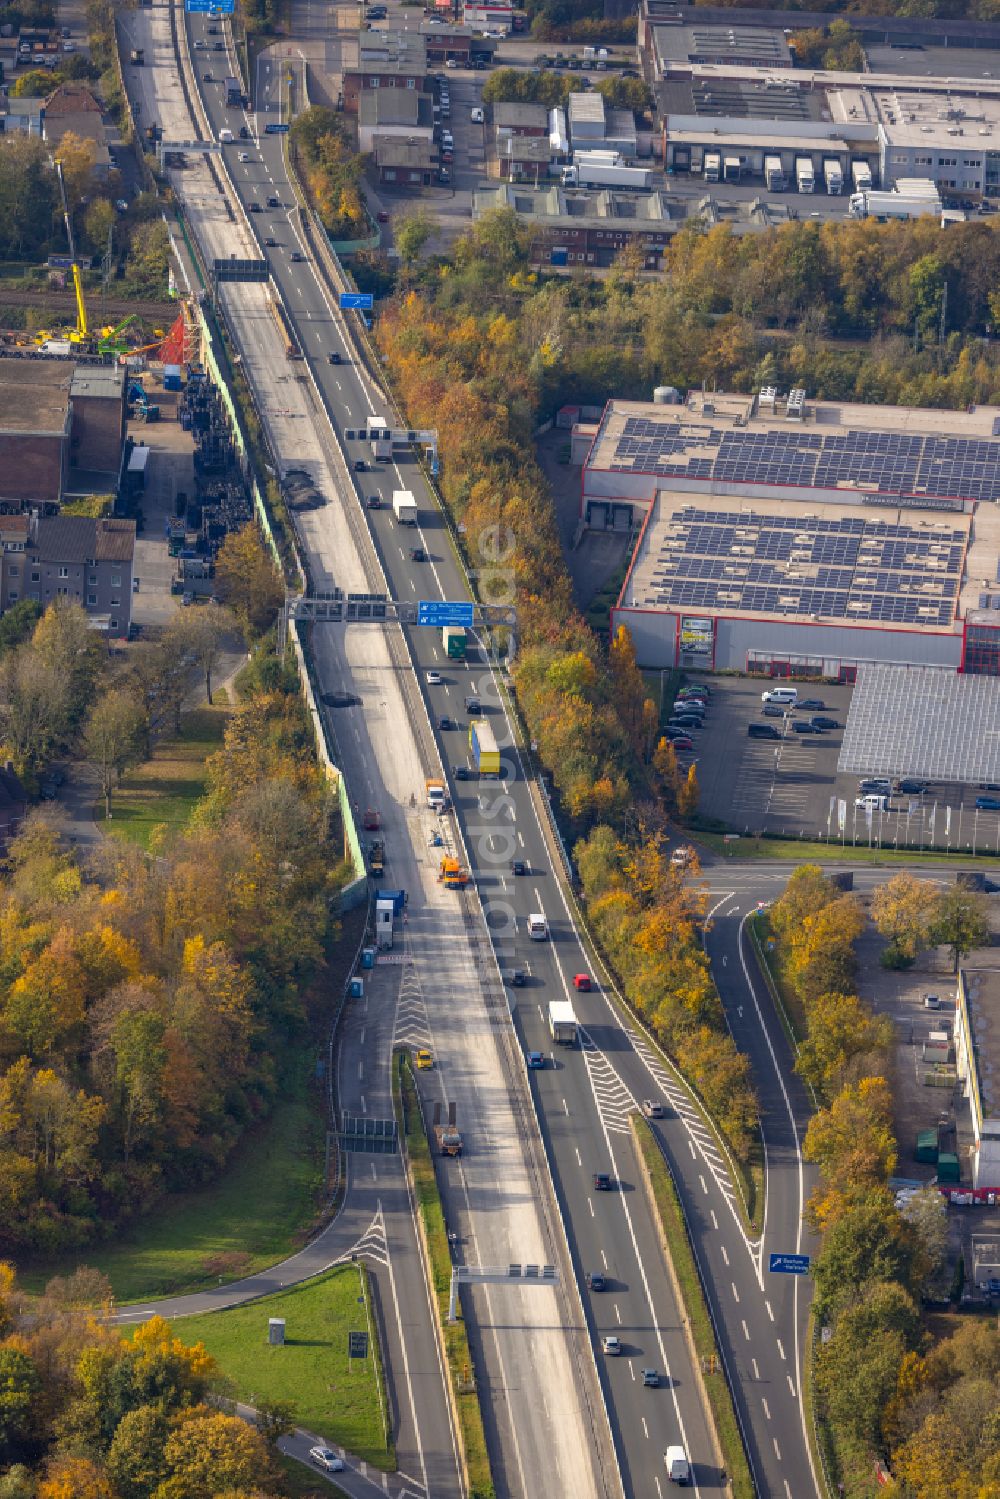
[208,1453]
[35,84]
[18,623]
[98,222]
[275,1419]
[19,1387]
[961,923]
[135,1457]
[411,234]
[115,738]
[858,1370]
[868,1242]
[927,1214]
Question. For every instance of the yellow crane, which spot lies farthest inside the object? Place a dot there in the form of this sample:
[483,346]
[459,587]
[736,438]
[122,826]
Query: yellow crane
[81,331]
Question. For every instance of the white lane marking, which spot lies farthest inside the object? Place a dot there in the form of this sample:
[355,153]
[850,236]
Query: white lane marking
[756,1371]
[725,1254]
[769,1311]
[736,1293]
[704,1184]
[781,1349]
[791,1387]
[746,1330]
[591,1207]
[766,1408]
[715,1221]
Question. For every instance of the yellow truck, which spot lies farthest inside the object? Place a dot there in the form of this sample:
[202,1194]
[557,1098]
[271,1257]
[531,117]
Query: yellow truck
[452,875]
[437,797]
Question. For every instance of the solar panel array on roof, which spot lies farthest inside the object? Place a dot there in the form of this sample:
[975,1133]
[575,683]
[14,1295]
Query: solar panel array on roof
[902,464]
[849,567]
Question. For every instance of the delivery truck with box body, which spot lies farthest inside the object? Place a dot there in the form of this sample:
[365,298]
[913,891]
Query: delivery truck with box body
[774,174]
[404,507]
[454,642]
[833,176]
[485,755]
[562,1022]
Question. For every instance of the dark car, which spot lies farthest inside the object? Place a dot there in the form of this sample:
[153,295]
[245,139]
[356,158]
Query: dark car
[819,722]
[417,554]
[297,255]
[536,1061]
[472,705]
[207,78]
[255,208]
[339,699]
[213,31]
[517,978]
[596,1280]
[875,786]
[374,502]
[462,773]
[271,242]
[333,357]
[910,787]
[274,202]
[444,722]
[602,1181]
[988,803]
[804,726]
[685,721]
[218,46]
[762,731]
[773,710]
[244,133]
[816,704]
[518,866]
[360,465]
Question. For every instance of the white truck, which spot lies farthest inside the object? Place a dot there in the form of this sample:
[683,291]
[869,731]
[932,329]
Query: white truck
[805,178]
[883,206]
[713,166]
[732,169]
[833,176]
[384,914]
[606,174]
[378,435]
[861,176]
[562,1022]
[404,507]
[774,174]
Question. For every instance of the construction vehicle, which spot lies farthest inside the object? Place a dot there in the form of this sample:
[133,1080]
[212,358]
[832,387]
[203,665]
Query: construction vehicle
[111,341]
[452,875]
[449,1141]
[376,858]
[80,334]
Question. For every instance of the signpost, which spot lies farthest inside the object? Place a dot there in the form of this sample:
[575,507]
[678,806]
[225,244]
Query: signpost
[356,301]
[210,7]
[440,612]
[788,1264]
[357,1345]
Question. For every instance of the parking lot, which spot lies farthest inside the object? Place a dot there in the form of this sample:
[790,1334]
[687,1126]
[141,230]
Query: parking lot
[790,785]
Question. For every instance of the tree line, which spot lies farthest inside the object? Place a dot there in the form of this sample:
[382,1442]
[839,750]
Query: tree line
[146,1004]
[87,1413]
[886,1388]
[327,155]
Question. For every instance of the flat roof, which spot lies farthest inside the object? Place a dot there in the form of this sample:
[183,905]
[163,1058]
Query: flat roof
[982,997]
[703,43]
[98,380]
[784,560]
[34,395]
[888,454]
[925,721]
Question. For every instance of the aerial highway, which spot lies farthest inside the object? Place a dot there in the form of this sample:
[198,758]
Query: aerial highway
[584,1100]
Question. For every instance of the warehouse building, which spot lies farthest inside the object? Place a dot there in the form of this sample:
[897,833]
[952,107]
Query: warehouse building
[57,420]
[977,1060]
[791,537]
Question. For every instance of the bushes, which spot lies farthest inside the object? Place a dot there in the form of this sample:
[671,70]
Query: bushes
[330,163]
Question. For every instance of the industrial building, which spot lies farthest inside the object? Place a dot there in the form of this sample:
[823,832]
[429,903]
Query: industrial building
[726,123]
[55,417]
[583,228]
[977,1060]
[793,537]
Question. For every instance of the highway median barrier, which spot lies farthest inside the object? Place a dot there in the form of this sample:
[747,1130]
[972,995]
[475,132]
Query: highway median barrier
[699,1328]
[433,1237]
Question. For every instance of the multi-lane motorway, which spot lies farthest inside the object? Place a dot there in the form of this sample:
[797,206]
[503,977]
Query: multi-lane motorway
[583,1101]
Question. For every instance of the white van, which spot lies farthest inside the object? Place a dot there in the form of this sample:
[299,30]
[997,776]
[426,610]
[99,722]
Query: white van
[538,927]
[872,803]
[226,137]
[678,1467]
[788,695]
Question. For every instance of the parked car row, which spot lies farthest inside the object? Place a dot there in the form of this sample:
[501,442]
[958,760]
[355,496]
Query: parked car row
[687,715]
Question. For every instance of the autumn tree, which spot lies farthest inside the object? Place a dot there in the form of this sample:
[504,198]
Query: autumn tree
[841,1033]
[248,580]
[687,795]
[208,1453]
[852,1140]
[411,234]
[903,910]
[115,738]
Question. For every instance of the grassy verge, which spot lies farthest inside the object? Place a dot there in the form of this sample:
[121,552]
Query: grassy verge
[298,1482]
[802,851]
[456,1341]
[696,1308]
[340,1399]
[256,1214]
[790,1008]
[164,790]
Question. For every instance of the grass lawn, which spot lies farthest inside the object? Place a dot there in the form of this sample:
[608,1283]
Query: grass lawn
[336,1397]
[166,788]
[802,851]
[299,1482]
[253,1216]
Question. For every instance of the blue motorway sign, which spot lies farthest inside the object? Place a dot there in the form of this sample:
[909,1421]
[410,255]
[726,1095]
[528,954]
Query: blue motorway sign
[359,301]
[788,1264]
[210,7]
[444,612]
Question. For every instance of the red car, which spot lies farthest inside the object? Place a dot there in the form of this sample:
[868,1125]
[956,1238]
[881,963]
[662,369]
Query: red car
[581,981]
[682,742]
[371,821]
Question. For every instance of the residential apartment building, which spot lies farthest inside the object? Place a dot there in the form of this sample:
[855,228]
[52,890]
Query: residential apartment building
[74,557]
